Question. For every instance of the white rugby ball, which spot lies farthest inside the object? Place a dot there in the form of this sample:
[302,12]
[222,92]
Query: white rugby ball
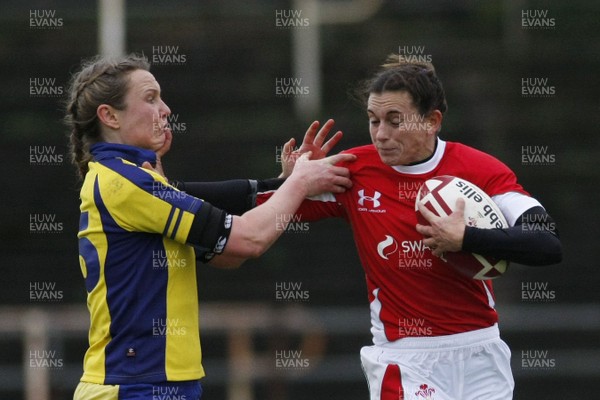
[439,195]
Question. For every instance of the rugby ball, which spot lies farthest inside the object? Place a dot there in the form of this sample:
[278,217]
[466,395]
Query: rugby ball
[439,195]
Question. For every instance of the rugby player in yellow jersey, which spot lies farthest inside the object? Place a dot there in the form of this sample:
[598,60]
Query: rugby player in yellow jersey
[139,237]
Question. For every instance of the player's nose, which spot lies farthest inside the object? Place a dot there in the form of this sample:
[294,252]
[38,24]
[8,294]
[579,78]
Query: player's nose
[382,134]
[165,111]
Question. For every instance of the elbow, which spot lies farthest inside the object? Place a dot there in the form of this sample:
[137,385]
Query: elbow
[551,253]
[248,240]
[555,253]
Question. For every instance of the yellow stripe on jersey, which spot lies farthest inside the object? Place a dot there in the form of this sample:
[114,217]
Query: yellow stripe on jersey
[182,347]
[99,334]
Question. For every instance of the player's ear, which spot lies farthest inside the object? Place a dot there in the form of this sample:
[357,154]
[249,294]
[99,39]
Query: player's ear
[108,116]
[434,120]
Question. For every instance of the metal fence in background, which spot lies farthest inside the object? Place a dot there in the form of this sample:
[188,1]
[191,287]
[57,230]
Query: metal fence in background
[316,356]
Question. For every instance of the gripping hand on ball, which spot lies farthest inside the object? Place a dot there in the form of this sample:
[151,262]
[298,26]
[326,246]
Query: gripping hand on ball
[444,233]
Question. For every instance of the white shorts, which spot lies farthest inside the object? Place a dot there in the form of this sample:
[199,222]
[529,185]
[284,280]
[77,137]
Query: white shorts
[466,366]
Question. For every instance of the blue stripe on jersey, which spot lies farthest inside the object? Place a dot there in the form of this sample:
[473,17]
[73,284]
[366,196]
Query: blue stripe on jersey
[132,348]
[176,225]
[168,224]
[90,255]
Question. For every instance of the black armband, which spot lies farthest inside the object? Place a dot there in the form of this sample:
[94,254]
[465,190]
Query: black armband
[266,185]
[209,231]
[235,196]
[534,240]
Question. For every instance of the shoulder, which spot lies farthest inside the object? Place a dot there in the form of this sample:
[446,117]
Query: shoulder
[483,169]
[474,158]
[129,170]
[121,179]
[462,150]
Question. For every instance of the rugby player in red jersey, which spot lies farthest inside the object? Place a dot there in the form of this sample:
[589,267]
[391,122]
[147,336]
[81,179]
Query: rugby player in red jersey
[435,331]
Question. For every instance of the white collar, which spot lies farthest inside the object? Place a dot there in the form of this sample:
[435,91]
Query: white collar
[427,166]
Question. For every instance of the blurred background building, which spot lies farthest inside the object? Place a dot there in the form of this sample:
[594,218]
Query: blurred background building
[241,78]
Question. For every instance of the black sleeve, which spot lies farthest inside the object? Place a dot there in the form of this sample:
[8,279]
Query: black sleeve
[534,240]
[209,231]
[235,196]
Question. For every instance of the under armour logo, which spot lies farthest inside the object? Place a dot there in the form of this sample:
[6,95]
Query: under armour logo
[374,199]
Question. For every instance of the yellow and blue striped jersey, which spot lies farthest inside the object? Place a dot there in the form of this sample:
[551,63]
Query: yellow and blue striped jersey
[140,275]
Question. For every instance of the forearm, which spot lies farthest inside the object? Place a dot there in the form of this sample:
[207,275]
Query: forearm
[256,230]
[533,240]
[233,239]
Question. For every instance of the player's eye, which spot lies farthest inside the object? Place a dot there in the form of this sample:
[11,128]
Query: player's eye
[373,121]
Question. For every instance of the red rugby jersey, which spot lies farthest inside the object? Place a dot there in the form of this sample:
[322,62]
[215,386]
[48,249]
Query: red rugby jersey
[411,292]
